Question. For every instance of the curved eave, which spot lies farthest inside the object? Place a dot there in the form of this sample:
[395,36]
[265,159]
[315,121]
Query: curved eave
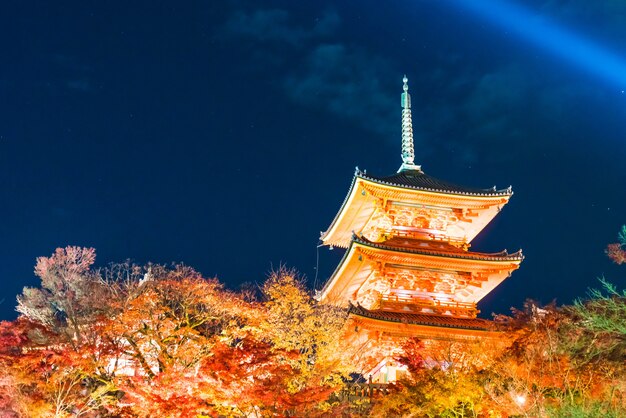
[501,256]
[349,196]
[333,279]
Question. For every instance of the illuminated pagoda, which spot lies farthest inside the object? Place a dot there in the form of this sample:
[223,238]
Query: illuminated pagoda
[407,270]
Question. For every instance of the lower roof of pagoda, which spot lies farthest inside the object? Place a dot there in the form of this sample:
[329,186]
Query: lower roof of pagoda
[442,321]
[364,257]
[477,207]
[397,326]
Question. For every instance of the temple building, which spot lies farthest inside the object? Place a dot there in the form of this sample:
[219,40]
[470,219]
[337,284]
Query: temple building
[407,269]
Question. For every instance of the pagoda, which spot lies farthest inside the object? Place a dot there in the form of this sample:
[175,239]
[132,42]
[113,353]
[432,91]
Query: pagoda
[407,270]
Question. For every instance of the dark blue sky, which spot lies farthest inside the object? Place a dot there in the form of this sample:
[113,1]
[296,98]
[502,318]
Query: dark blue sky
[224,134]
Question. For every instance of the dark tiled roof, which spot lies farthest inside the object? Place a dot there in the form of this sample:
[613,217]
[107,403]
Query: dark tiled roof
[436,248]
[415,179]
[422,319]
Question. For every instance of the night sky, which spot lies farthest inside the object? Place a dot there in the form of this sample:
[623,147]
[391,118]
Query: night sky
[224,134]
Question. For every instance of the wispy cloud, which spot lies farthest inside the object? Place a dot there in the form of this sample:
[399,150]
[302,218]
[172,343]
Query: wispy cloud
[461,103]
[276,25]
[496,103]
[342,79]
[348,82]
[501,114]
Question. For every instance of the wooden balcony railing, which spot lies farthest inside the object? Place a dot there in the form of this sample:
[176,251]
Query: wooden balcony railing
[422,304]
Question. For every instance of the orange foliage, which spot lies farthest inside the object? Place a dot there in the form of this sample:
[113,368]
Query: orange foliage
[132,341]
[153,341]
[616,253]
[412,355]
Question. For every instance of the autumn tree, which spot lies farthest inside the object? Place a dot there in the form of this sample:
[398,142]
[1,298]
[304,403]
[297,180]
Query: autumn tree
[199,349]
[70,296]
[168,327]
[444,379]
[57,363]
[296,323]
[143,341]
[13,403]
[44,376]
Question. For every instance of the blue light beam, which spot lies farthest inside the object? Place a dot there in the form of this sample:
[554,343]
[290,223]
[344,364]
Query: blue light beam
[548,35]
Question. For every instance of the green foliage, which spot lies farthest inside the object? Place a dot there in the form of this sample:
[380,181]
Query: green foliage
[621,236]
[593,409]
[604,311]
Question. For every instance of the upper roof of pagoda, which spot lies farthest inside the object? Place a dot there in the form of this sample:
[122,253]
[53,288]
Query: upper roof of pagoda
[418,180]
[474,207]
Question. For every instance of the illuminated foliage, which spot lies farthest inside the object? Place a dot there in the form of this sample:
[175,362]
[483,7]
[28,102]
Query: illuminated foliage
[46,378]
[444,380]
[412,355]
[134,341]
[145,341]
[70,296]
[297,323]
[555,365]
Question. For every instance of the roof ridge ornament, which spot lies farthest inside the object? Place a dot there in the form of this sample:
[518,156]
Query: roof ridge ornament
[408,151]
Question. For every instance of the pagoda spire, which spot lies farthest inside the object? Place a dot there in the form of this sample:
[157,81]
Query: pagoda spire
[408,151]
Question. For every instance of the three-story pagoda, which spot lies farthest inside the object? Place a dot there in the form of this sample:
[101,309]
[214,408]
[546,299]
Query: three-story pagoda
[407,270]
